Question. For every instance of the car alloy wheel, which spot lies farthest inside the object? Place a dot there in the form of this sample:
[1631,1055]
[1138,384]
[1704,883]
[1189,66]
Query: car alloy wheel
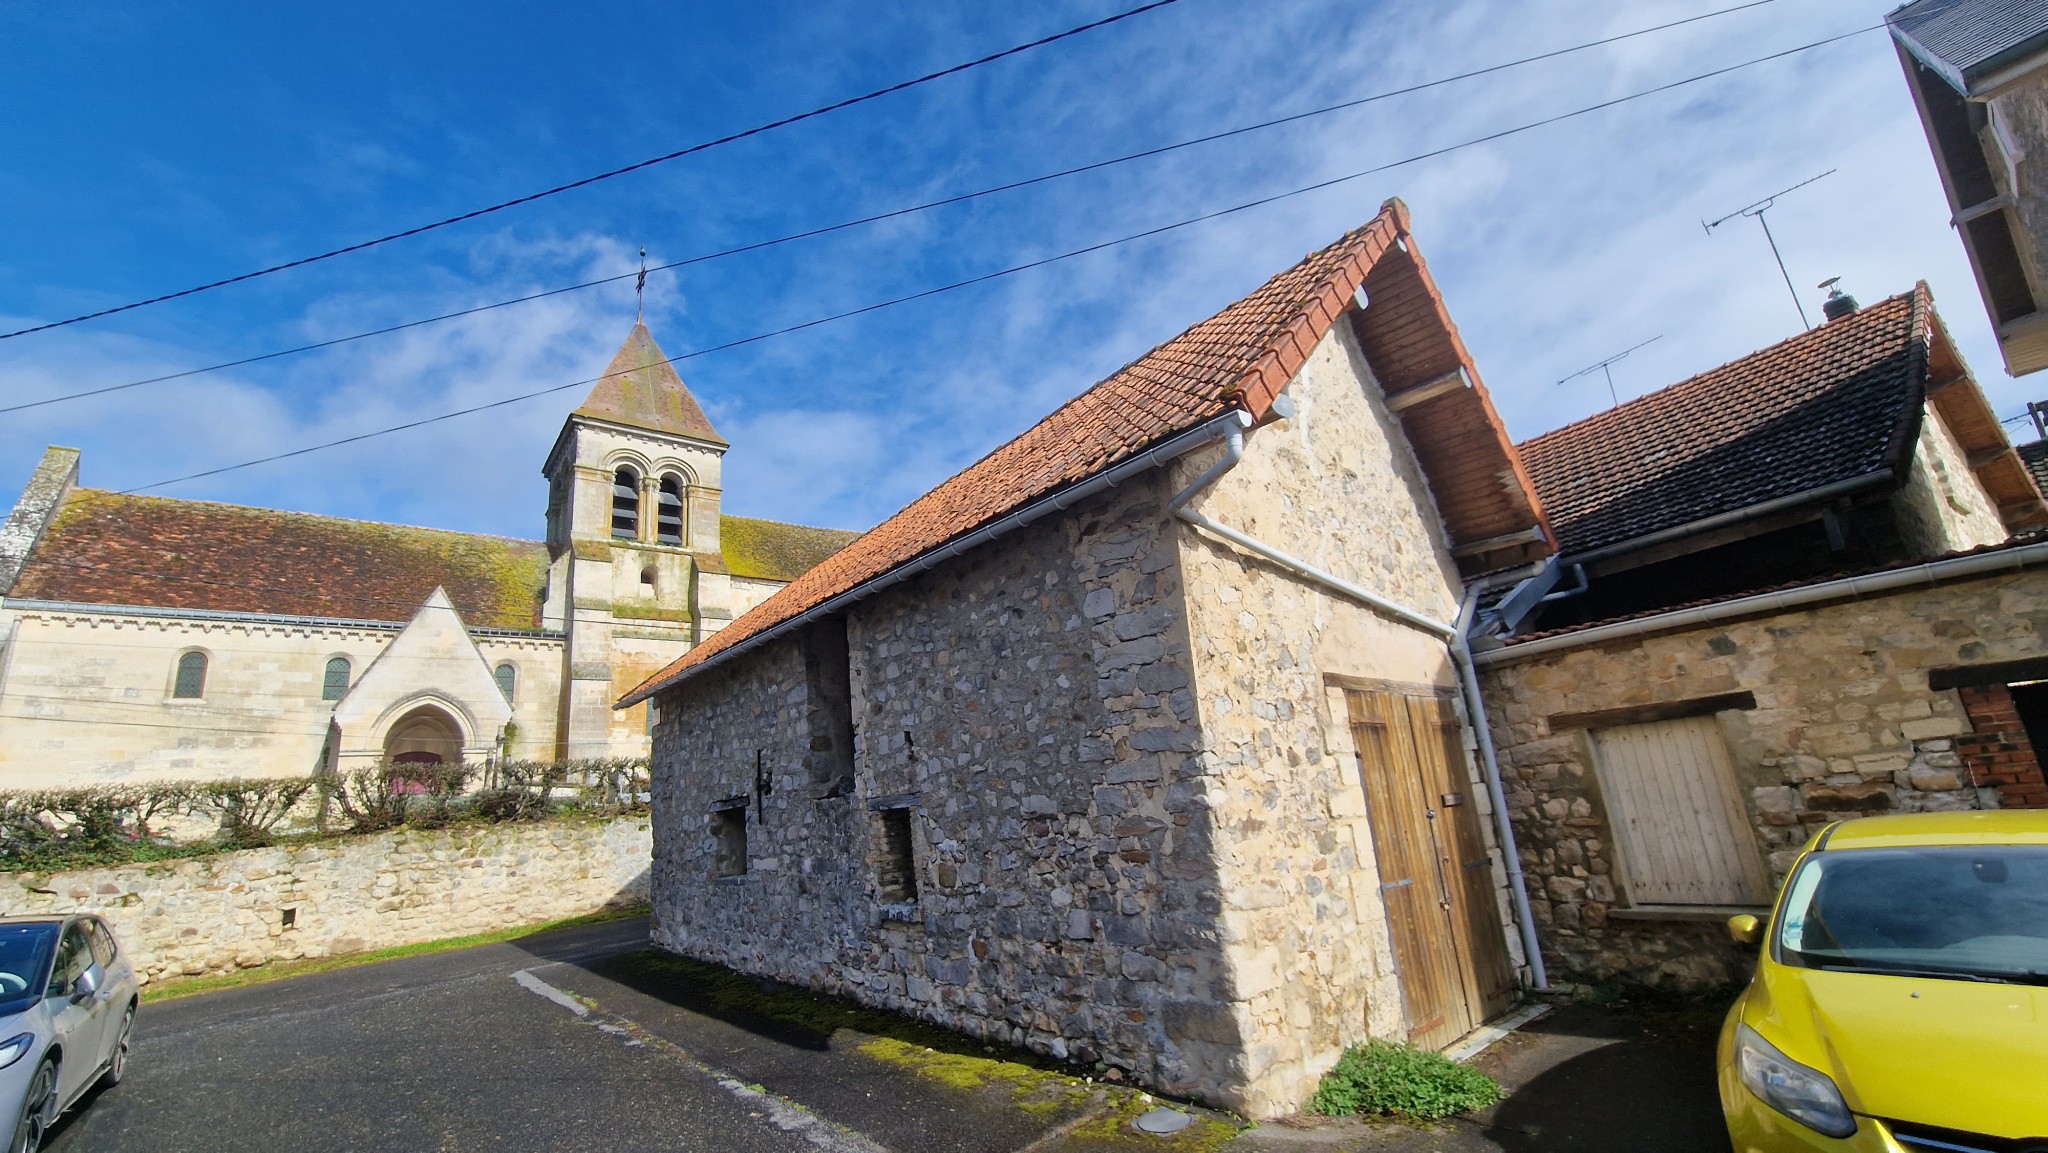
[35,1110]
[117,1061]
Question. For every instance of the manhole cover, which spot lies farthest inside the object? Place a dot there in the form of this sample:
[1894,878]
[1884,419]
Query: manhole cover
[1165,1121]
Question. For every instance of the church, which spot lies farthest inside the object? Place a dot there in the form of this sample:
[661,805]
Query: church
[143,637]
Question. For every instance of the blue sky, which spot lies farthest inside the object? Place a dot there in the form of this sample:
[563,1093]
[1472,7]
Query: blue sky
[153,146]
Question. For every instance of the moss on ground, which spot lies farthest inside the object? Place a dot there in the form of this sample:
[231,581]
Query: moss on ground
[1034,1084]
[169,988]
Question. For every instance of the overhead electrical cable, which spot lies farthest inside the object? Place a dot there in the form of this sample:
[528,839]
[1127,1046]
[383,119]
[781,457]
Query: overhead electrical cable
[825,230]
[529,198]
[1018,268]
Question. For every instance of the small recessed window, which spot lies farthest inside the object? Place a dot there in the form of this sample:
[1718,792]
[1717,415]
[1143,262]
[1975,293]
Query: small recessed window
[896,857]
[626,504]
[507,678]
[191,682]
[647,576]
[729,829]
[334,685]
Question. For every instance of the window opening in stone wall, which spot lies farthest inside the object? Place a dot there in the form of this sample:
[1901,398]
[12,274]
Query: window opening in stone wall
[829,709]
[191,682]
[334,685]
[895,857]
[647,576]
[668,518]
[626,504]
[729,829]
[508,680]
[2030,701]
[1684,834]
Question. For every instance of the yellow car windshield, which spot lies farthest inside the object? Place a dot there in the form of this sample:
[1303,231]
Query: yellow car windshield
[1974,912]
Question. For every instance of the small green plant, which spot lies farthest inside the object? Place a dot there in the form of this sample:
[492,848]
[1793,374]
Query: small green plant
[1387,1077]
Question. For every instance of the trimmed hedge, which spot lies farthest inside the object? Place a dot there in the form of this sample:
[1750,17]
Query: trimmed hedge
[43,830]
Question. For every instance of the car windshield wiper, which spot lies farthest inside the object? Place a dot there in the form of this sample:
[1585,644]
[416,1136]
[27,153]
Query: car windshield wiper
[1940,974]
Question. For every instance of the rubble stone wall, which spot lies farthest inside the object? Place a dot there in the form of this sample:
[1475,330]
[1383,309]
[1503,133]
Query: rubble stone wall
[1030,705]
[227,911]
[1337,486]
[1844,725]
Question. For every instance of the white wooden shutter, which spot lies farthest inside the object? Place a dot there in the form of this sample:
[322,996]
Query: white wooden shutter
[1684,833]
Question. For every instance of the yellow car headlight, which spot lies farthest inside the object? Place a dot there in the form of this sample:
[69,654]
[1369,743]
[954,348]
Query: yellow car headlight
[1808,1096]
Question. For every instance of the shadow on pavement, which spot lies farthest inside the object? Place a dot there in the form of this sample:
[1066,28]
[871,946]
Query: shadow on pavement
[1585,1079]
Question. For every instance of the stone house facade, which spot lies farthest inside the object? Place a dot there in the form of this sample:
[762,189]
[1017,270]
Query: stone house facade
[1670,735]
[1979,78]
[146,637]
[1065,753]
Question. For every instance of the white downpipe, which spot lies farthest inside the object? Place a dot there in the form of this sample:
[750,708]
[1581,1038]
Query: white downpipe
[1461,654]
[1489,761]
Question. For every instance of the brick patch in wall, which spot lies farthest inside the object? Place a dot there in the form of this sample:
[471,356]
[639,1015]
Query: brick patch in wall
[1997,751]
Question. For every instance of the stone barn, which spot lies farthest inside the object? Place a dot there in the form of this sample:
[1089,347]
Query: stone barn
[1790,593]
[1141,740]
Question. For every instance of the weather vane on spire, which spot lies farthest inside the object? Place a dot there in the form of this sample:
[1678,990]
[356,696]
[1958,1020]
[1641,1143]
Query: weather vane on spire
[640,289]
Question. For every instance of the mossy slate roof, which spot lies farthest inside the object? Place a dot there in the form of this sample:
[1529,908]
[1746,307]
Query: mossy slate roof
[771,550]
[109,548]
[157,552]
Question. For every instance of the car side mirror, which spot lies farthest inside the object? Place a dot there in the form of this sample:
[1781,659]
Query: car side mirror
[87,984]
[1745,929]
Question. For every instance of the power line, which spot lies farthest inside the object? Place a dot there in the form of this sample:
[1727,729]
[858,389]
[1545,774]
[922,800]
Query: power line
[1018,268]
[892,214]
[589,180]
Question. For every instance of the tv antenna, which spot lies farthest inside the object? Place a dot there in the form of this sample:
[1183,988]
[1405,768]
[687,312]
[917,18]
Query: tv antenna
[1606,367]
[1757,211]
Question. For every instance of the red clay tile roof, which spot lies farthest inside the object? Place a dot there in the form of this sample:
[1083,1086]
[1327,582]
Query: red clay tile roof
[1828,405]
[642,389]
[1240,358]
[772,550]
[106,548]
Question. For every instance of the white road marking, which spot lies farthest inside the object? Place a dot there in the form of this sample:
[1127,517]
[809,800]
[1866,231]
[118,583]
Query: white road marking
[782,1112]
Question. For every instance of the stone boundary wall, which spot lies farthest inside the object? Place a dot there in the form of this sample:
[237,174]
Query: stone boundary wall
[238,910]
[1844,724]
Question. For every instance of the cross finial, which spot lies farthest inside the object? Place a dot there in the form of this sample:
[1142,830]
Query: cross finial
[640,289]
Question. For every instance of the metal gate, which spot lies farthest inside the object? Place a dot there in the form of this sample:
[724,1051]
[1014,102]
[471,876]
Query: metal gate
[1436,876]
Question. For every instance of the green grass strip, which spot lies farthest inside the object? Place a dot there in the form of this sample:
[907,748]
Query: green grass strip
[173,987]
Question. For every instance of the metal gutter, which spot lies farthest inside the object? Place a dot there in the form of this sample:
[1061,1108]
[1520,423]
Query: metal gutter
[1461,654]
[23,604]
[1203,434]
[1819,495]
[1847,588]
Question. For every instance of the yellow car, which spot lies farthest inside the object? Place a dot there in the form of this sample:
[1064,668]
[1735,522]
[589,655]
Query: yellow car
[1901,995]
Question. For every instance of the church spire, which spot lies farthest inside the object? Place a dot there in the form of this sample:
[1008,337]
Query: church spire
[641,389]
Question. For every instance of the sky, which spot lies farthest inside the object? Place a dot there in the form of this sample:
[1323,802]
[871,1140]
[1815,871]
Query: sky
[147,147]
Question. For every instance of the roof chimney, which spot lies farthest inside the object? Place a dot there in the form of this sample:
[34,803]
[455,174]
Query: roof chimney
[1838,304]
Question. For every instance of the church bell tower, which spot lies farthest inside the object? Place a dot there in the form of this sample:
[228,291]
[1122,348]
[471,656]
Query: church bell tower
[636,574]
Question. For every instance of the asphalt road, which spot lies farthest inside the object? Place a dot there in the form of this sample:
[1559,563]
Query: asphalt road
[449,1053]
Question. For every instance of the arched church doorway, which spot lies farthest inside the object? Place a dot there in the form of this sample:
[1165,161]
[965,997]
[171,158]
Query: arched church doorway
[424,736]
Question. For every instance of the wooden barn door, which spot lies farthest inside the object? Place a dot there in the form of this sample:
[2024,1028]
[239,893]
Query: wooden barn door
[1436,876]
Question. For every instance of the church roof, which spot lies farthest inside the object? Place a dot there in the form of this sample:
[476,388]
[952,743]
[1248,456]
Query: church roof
[642,389]
[1241,358]
[109,548]
[772,550]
